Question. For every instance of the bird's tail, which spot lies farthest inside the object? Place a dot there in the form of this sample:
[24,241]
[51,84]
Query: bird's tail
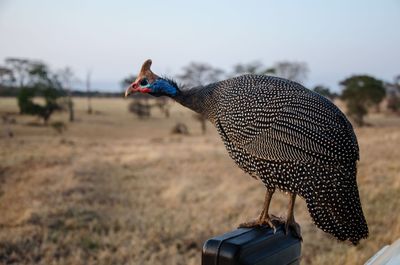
[334,204]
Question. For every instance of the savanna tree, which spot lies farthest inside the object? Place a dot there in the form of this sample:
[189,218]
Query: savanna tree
[361,92]
[20,68]
[6,76]
[324,91]
[42,83]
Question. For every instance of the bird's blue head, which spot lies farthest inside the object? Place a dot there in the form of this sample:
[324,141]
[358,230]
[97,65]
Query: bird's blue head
[150,83]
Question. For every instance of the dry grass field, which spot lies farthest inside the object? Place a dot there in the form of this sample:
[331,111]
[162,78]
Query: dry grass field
[113,189]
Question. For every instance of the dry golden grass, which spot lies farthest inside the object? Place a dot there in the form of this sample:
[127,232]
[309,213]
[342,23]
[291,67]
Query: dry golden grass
[116,190]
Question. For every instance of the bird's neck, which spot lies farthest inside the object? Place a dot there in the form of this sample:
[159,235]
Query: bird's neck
[199,99]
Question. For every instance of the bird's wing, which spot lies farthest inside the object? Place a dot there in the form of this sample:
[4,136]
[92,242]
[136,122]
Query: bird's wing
[300,126]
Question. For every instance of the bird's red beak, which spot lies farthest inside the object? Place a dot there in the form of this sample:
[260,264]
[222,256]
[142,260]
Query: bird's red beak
[134,87]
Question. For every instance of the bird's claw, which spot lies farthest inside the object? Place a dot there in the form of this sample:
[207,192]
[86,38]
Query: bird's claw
[267,221]
[294,228]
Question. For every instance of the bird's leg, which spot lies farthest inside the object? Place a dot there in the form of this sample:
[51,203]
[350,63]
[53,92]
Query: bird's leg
[264,218]
[290,222]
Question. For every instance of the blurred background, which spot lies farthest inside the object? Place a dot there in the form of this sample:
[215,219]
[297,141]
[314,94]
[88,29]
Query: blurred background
[88,177]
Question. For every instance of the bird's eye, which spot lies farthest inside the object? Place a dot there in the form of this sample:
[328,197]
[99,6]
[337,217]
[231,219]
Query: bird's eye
[143,82]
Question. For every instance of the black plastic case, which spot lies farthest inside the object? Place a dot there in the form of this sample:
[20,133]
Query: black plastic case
[252,246]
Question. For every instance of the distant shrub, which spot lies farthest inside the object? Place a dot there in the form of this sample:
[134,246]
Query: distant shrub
[140,107]
[8,119]
[203,122]
[180,128]
[59,126]
[27,106]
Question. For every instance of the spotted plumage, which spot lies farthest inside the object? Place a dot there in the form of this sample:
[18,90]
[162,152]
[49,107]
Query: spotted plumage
[289,137]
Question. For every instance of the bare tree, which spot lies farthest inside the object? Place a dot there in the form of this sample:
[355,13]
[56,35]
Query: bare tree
[295,71]
[197,74]
[67,77]
[397,81]
[89,100]
[393,95]
[255,67]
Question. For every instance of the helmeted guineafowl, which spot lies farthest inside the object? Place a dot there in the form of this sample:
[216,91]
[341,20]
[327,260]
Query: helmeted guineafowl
[291,138]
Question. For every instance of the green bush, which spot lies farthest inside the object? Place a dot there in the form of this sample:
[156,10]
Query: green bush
[361,92]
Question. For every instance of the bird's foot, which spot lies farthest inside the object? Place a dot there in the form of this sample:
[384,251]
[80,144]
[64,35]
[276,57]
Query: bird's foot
[294,228]
[272,222]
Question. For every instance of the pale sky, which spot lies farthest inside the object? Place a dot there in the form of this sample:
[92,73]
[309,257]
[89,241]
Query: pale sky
[112,38]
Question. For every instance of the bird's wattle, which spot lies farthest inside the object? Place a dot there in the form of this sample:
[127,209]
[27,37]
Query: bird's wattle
[144,90]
